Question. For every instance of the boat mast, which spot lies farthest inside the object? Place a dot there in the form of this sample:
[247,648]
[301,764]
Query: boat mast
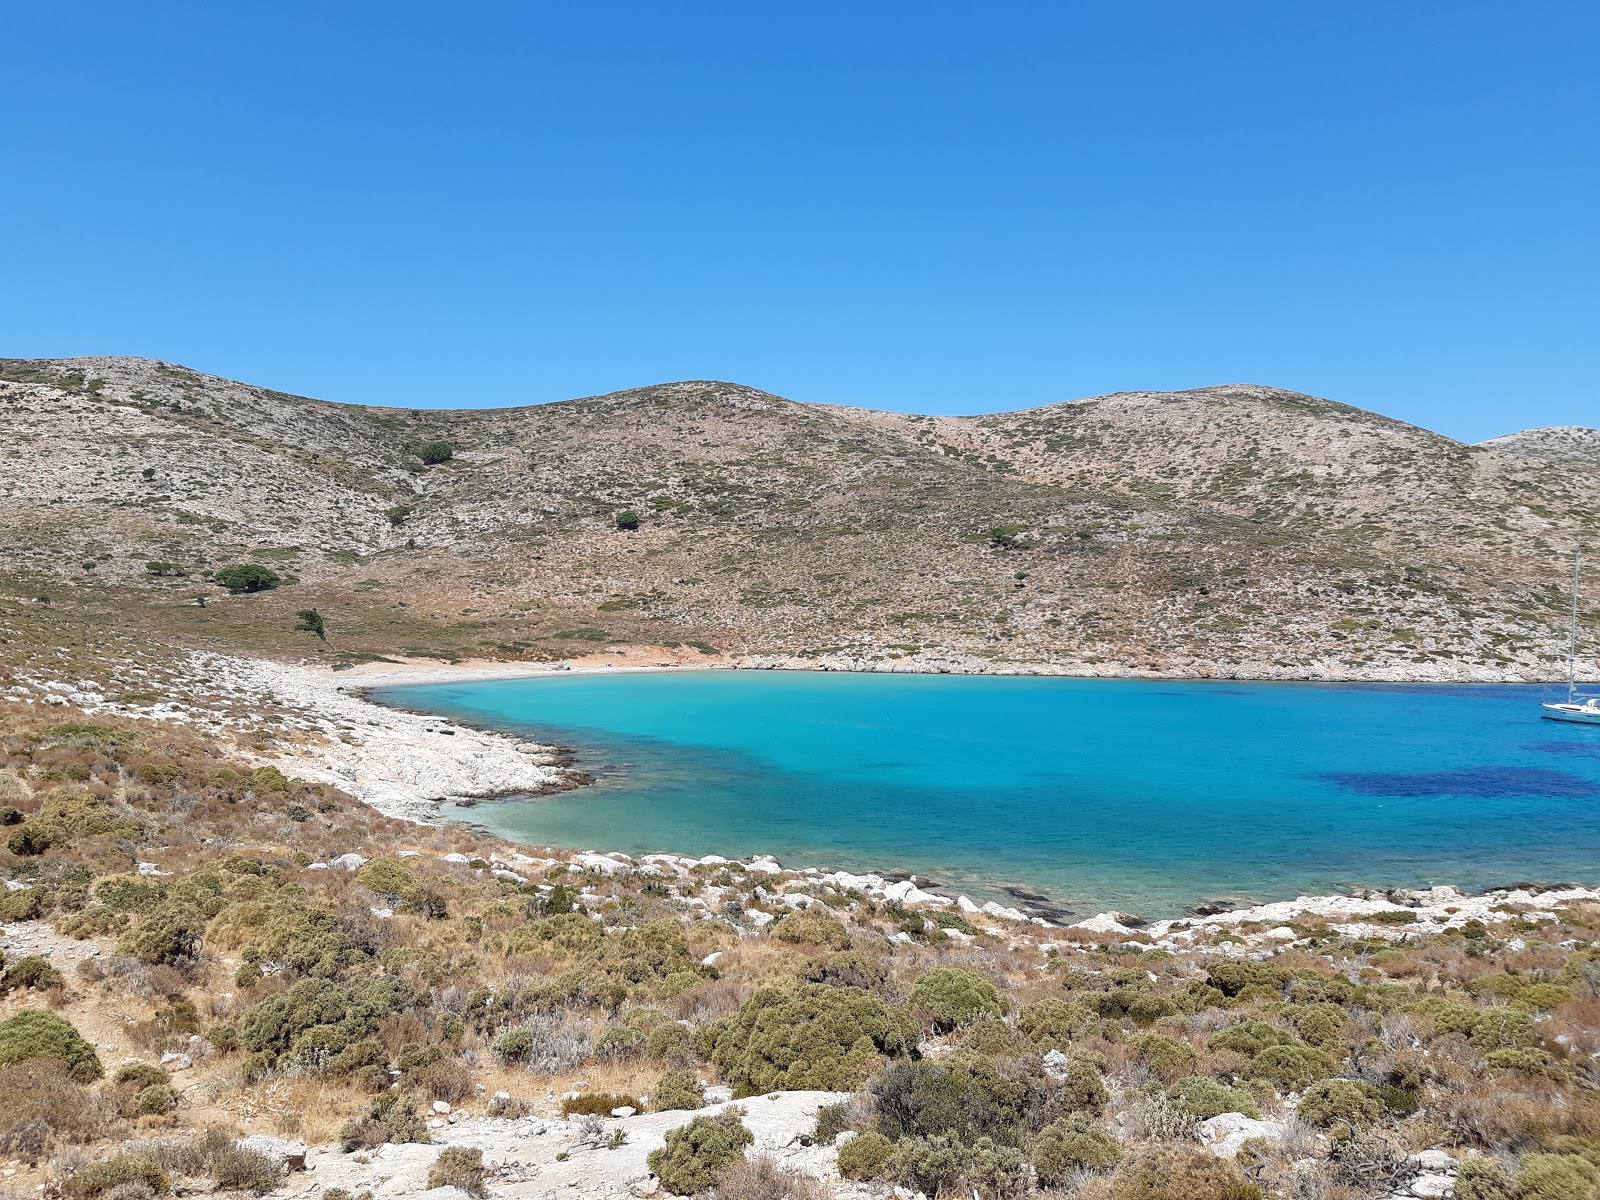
[1572,635]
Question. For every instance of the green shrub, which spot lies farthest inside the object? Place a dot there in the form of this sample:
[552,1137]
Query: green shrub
[269,779]
[1249,1038]
[811,926]
[1399,916]
[317,1019]
[864,1156]
[386,877]
[1203,1097]
[516,1045]
[1167,1057]
[1235,977]
[1318,1024]
[30,972]
[459,1167]
[160,937]
[1484,1179]
[696,1152]
[1501,1028]
[1056,1024]
[129,893]
[436,452]
[29,840]
[248,577]
[628,520]
[993,1037]
[155,1100]
[676,1091]
[1529,1061]
[671,1043]
[812,1037]
[141,1074]
[234,1168]
[937,1164]
[97,1178]
[1346,1101]
[39,1033]
[848,968]
[1289,1067]
[1083,1090]
[1072,1144]
[965,1096]
[620,1043]
[952,996]
[390,1118]
[1557,1177]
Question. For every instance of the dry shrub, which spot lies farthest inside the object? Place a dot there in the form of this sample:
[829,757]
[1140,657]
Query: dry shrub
[712,999]
[1180,1173]
[448,1079]
[459,1167]
[761,1178]
[42,1109]
[597,1104]
[1485,1112]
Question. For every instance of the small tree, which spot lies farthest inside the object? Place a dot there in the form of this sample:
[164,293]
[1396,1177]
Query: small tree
[398,514]
[163,568]
[434,453]
[311,622]
[628,520]
[1008,537]
[249,577]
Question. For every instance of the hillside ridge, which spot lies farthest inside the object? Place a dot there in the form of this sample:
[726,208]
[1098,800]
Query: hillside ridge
[1231,530]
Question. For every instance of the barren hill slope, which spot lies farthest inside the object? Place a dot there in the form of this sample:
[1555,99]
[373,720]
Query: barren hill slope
[1570,445]
[1226,530]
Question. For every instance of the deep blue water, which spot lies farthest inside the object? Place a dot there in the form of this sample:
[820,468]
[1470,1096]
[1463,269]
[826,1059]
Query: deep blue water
[1141,795]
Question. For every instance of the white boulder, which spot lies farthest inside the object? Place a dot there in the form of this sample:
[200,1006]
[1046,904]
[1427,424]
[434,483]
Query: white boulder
[1225,1135]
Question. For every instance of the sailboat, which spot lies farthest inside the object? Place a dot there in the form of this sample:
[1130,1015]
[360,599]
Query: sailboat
[1583,709]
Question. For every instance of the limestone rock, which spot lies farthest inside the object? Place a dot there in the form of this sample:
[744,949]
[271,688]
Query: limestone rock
[291,1156]
[1224,1135]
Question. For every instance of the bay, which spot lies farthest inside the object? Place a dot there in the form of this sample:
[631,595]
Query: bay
[1139,795]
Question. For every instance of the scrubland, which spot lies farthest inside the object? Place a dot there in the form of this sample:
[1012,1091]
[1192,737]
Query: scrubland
[200,949]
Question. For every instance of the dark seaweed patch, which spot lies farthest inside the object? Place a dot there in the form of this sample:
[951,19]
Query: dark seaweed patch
[1479,782]
[1584,749]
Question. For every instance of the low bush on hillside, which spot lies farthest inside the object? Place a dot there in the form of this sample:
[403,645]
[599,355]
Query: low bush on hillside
[36,1033]
[247,577]
[813,1036]
[952,996]
[696,1153]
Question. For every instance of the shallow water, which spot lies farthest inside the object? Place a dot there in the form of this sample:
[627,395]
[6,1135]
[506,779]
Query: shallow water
[1139,795]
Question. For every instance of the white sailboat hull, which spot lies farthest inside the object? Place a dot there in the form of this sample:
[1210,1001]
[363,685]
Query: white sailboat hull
[1584,714]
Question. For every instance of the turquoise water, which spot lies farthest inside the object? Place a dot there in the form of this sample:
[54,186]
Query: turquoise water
[1140,795]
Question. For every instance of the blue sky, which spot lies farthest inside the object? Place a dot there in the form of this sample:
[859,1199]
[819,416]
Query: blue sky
[923,205]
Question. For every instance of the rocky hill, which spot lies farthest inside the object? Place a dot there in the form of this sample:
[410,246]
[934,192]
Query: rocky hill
[1571,445]
[1228,530]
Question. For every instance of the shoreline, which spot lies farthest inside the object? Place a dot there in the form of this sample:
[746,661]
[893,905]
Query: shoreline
[418,766]
[406,672]
[1025,902]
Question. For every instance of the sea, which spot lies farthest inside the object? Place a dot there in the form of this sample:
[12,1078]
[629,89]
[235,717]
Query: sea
[1072,795]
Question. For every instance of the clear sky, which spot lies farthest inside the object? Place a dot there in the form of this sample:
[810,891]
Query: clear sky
[909,204]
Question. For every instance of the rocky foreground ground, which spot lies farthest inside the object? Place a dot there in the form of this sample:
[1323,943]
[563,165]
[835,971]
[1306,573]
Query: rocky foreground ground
[224,971]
